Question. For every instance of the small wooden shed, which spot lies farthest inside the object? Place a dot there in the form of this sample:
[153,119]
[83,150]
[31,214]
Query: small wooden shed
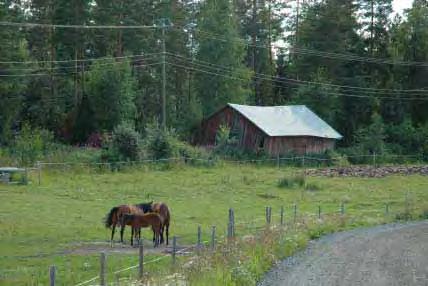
[275,130]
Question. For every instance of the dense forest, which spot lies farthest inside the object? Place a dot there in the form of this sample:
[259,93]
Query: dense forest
[78,68]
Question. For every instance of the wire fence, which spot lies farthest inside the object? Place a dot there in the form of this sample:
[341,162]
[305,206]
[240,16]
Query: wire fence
[285,220]
[302,161]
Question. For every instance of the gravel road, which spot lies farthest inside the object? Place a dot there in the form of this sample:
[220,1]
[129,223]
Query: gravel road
[395,254]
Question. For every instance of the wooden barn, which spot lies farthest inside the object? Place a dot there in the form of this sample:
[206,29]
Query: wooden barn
[275,130]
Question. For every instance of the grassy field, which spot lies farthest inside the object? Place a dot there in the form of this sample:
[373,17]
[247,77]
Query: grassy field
[39,224]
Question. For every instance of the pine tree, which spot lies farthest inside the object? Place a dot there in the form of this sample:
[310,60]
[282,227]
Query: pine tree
[218,87]
[13,47]
[111,93]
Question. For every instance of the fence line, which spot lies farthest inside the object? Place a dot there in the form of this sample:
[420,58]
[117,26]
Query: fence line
[316,214]
[295,158]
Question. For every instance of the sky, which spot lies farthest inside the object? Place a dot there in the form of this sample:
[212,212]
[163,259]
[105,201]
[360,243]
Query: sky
[399,5]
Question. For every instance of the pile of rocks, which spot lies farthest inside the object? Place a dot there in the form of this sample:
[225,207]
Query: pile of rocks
[368,171]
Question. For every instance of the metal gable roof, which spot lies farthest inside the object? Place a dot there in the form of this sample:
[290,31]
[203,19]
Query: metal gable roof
[291,120]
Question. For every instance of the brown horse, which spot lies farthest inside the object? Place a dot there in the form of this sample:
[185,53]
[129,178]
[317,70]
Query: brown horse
[146,220]
[113,218]
[165,215]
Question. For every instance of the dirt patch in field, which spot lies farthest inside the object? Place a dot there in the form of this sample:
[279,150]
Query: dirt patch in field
[369,171]
[386,255]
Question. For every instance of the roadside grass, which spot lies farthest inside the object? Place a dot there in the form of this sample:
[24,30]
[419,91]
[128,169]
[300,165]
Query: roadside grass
[39,223]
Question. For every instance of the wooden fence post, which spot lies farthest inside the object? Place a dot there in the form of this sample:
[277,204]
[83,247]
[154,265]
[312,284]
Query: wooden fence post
[174,248]
[319,211]
[342,209]
[39,172]
[141,261]
[374,159]
[231,224]
[387,209]
[270,214]
[199,244]
[267,214]
[213,238]
[52,275]
[103,269]
[295,212]
[282,215]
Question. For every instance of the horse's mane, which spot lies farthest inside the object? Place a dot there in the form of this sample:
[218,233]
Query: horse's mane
[146,207]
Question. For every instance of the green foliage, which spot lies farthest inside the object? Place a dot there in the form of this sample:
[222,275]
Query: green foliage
[125,141]
[371,140]
[404,138]
[76,89]
[225,142]
[218,17]
[111,94]
[159,143]
[13,47]
[31,144]
[320,99]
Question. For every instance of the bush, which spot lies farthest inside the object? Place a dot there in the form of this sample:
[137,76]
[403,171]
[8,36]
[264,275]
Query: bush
[31,145]
[160,143]
[194,155]
[123,145]
[225,142]
[164,144]
[126,141]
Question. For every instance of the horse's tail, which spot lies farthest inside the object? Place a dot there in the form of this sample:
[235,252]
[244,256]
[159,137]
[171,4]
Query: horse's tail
[108,221]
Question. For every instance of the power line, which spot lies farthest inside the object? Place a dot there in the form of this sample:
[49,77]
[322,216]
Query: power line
[353,57]
[353,88]
[61,26]
[280,81]
[317,53]
[70,67]
[79,60]
[69,73]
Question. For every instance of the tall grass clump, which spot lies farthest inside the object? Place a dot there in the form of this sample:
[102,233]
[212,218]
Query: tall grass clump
[292,181]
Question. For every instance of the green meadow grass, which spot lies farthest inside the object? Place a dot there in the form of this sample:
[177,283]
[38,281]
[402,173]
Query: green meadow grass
[39,223]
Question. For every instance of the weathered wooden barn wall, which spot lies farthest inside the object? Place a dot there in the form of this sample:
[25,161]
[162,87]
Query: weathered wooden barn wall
[250,137]
[297,144]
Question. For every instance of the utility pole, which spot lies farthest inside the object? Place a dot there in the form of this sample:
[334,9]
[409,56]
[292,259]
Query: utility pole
[163,78]
[163,23]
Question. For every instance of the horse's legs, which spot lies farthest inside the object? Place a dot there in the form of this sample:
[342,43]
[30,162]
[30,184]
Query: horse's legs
[122,229]
[156,237]
[167,229]
[132,236]
[161,234]
[112,234]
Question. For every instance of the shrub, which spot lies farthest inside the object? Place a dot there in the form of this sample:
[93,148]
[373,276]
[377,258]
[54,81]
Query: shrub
[160,143]
[225,142]
[123,145]
[194,155]
[31,145]
[126,141]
